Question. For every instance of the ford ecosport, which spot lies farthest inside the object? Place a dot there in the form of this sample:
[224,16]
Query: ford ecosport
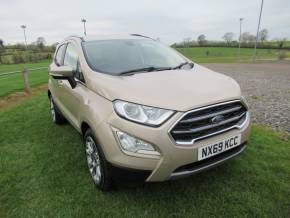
[145,111]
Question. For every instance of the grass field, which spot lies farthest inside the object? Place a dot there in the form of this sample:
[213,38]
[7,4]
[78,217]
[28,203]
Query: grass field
[13,83]
[43,174]
[16,67]
[227,55]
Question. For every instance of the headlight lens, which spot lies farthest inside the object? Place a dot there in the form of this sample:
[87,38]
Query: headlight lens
[135,145]
[142,114]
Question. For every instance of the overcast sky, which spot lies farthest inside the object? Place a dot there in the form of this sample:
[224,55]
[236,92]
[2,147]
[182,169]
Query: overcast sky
[170,20]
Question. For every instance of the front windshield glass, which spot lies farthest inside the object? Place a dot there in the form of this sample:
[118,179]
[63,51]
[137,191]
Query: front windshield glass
[121,55]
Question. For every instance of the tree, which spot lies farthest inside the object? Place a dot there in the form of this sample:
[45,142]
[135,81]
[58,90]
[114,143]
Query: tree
[201,39]
[40,42]
[251,38]
[2,49]
[1,43]
[263,35]
[228,37]
[1,46]
[53,46]
[247,37]
[281,42]
[186,42]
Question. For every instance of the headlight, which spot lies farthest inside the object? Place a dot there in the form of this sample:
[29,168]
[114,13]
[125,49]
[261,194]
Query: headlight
[135,145]
[142,114]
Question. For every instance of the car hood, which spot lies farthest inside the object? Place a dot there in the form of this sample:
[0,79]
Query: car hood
[179,90]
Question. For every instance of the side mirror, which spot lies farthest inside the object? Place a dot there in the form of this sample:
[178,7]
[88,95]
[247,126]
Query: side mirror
[63,72]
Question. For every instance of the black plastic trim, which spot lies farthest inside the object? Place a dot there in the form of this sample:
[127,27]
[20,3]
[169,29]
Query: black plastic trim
[128,174]
[199,166]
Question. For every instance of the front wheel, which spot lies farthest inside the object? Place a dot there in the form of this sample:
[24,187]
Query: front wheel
[56,116]
[97,164]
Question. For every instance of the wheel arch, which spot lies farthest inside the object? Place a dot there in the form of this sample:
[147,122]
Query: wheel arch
[48,93]
[84,127]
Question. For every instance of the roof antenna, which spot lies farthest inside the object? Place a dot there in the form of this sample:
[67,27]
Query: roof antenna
[84,22]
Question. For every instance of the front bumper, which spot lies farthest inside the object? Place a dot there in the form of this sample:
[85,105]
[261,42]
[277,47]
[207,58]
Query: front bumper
[173,157]
[199,166]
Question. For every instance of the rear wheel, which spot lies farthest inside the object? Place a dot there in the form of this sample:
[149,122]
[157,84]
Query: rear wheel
[56,116]
[97,164]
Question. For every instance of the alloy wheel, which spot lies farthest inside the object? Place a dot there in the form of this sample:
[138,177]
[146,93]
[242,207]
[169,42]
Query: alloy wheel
[93,160]
[52,110]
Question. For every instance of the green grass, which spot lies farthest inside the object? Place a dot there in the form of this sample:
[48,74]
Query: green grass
[43,174]
[227,55]
[13,83]
[16,67]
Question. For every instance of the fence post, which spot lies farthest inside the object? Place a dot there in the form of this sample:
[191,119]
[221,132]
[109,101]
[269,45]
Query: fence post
[26,81]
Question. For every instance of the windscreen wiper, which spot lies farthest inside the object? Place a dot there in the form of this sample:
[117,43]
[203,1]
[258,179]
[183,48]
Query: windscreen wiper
[183,64]
[145,69]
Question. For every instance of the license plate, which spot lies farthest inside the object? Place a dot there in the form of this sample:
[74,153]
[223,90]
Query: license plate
[218,147]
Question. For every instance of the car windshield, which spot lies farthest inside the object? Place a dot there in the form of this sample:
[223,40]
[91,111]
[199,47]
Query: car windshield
[123,55]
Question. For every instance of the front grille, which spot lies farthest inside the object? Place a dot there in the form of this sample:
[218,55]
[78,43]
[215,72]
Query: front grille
[208,121]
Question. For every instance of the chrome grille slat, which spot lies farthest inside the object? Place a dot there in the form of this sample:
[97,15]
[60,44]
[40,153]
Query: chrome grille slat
[200,123]
[210,115]
[209,126]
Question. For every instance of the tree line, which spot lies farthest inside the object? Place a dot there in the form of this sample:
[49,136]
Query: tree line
[246,39]
[21,53]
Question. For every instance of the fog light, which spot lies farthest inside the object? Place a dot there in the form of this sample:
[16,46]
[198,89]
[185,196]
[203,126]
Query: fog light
[135,145]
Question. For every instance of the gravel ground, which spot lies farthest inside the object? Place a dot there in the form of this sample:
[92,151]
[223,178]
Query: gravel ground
[266,87]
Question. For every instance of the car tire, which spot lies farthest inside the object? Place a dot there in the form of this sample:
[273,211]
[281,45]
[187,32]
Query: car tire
[56,116]
[98,166]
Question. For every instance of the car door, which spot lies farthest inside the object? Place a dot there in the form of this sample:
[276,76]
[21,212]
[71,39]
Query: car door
[72,99]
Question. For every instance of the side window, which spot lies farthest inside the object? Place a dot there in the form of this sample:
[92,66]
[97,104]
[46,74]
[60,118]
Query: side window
[71,59]
[59,55]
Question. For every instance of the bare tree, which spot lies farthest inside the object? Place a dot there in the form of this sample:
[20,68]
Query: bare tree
[40,42]
[263,35]
[186,41]
[228,37]
[247,37]
[201,39]
[251,38]
[244,37]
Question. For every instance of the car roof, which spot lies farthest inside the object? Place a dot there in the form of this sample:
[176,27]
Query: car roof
[108,37]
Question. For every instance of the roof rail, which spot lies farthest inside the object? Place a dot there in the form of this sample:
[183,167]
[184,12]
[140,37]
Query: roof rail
[81,38]
[136,34]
